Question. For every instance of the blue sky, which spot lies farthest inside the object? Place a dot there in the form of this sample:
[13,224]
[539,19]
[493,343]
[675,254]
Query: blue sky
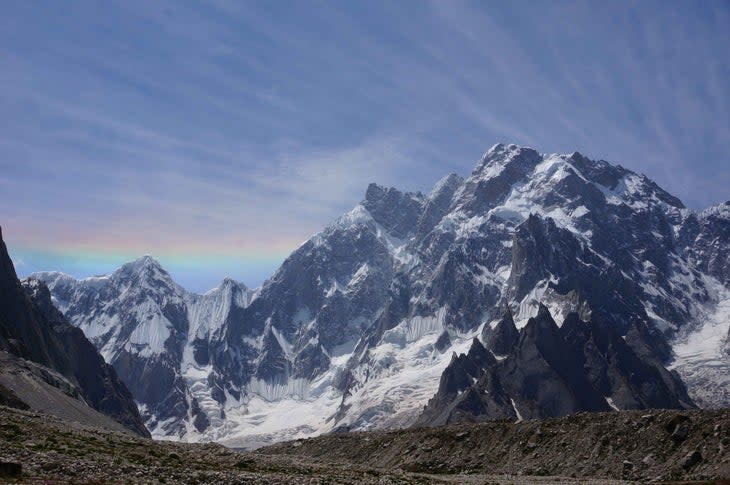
[217,136]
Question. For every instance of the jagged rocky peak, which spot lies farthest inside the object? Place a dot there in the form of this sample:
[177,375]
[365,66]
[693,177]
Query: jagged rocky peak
[504,336]
[718,213]
[464,369]
[598,171]
[479,354]
[228,281]
[501,156]
[632,187]
[553,371]
[446,186]
[438,203]
[142,264]
[145,261]
[396,211]
[542,331]
[494,177]
[144,276]
[722,209]
[511,181]
[376,194]
[7,269]
[38,291]
[145,267]
[228,284]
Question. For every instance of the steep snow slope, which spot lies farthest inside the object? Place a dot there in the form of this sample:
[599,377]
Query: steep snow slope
[702,355]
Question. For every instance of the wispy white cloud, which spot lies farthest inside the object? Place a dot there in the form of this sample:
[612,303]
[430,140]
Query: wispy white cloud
[234,124]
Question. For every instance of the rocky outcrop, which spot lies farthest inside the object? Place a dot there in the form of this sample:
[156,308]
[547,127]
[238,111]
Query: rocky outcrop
[550,372]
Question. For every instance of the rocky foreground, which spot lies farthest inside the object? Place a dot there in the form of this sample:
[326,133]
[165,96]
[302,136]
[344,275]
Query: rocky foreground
[598,448]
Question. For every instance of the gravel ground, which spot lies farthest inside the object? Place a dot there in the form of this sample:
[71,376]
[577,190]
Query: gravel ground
[658,445]
[54,451]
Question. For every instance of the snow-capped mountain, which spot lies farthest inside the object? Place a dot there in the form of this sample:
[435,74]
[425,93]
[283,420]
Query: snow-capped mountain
[157,336]
[356,327]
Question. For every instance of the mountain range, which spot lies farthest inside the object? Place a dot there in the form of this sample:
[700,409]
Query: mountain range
[540,285]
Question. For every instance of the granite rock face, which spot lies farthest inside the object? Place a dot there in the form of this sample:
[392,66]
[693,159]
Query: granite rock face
[551,372]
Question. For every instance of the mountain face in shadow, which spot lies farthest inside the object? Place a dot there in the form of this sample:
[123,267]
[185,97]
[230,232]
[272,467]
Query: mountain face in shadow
[46,350]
